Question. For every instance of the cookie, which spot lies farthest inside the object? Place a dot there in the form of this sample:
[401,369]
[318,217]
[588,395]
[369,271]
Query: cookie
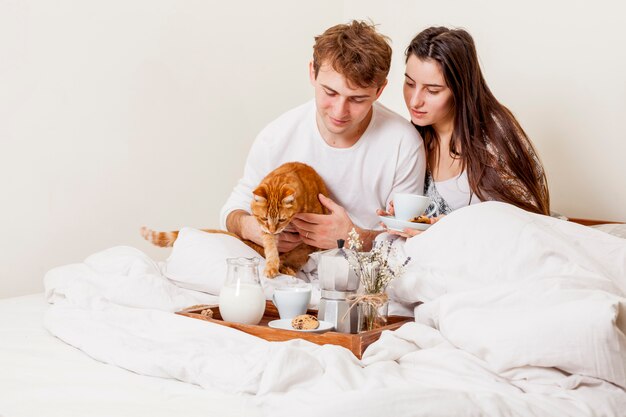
[420,219]
[305,322]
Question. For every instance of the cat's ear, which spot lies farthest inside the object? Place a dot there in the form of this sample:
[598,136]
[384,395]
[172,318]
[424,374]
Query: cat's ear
[289,196]
[260,194]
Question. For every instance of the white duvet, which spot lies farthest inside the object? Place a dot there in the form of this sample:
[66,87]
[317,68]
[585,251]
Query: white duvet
[522,315]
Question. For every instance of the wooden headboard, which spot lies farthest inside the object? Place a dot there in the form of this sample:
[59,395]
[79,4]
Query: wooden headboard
[590,222]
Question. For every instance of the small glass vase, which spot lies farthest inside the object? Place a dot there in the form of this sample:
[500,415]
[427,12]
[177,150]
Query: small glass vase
[371,316]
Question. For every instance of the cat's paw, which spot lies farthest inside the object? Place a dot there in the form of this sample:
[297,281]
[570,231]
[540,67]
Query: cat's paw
[287,270]
[271,271]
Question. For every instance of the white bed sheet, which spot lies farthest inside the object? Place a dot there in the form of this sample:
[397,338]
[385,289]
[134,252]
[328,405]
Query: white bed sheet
[527,318]
[42,376]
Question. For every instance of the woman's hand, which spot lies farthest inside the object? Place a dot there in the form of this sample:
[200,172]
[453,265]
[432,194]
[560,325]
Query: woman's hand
[409,233]
[406,233]
[390,211]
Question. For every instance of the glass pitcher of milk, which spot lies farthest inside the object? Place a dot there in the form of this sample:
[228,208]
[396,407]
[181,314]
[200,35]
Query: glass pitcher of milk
[242,299]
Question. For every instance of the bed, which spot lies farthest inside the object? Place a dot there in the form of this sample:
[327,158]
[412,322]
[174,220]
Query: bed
[43,376]
[526,319]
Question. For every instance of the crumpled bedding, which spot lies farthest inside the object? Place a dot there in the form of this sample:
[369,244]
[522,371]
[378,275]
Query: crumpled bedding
[522,315]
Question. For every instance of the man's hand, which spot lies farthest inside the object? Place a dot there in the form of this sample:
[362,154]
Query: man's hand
[247,227]
[288,239]
[323,230]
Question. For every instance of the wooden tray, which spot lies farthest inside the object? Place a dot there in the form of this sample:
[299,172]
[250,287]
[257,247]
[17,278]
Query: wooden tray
[591,222]
[356,343]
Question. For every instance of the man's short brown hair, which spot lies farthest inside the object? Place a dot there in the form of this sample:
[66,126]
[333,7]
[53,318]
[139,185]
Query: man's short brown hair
[356,51]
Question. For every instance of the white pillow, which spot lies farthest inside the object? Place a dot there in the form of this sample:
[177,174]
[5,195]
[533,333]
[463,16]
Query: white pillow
[615,229]
[198,259]
[198,262]
[552,322]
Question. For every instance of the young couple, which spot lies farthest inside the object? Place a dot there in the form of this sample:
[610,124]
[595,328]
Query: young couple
[461,148]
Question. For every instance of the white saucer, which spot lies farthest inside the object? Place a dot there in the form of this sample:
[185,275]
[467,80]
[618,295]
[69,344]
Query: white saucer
[285,324]
[399,225]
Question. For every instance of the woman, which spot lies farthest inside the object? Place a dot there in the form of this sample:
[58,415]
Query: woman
[476,149]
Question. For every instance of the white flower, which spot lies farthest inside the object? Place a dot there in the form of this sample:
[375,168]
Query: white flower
[354,241]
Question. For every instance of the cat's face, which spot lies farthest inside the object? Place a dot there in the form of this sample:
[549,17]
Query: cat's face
[273,208]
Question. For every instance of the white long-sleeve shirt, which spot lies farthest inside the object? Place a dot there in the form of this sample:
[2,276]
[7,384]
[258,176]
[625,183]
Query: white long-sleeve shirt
[389,157]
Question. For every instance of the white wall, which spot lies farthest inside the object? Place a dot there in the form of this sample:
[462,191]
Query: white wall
[117,114]
[123,113]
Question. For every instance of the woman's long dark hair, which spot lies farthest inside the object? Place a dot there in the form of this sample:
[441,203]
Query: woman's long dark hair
[500,160]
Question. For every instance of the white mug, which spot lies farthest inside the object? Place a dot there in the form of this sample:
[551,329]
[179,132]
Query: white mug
[406,206]
[291,300]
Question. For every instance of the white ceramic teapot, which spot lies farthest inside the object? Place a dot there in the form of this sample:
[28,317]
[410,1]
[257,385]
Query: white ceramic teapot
[337,282]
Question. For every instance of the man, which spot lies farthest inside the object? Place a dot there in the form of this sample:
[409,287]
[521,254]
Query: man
[364,152]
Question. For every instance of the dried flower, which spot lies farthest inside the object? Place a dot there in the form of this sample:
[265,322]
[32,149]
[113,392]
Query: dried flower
[354,241]
[376,268]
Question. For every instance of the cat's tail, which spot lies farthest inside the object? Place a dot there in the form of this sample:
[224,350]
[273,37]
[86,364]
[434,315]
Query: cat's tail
[163,239]
[167,239]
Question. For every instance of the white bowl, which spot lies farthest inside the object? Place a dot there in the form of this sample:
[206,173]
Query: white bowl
[406,206]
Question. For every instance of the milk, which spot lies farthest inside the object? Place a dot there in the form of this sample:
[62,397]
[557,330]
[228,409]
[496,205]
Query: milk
[242,303]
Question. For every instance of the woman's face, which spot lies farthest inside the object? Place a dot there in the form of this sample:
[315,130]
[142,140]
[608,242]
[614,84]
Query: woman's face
[426,94]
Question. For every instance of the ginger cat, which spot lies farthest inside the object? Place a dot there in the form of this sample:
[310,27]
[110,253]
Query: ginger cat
[290,189]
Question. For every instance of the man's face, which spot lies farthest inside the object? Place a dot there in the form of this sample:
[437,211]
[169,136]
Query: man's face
[341,109]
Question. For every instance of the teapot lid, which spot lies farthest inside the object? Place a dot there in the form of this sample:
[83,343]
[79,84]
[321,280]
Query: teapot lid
[334,270]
